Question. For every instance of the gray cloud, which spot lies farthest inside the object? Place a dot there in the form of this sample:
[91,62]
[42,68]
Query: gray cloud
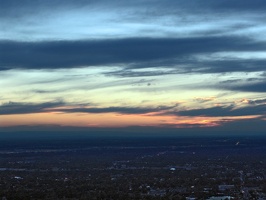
[202,27]
[171,5]
[257,101]
[243,127]
[220,111]
[263,74]
[236,5]
[131,73]
[46,91]
[26,108]
[21,8]
[253,87]
[69,54]
[121,110]
[191,65]
[52,19]
[244,85]
[231,65]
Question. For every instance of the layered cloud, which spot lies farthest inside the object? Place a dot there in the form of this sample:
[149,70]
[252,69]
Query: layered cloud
[222,111]
[250,87]
[133,53]
[101,19]
[13,108]
[253,107]
[133,62]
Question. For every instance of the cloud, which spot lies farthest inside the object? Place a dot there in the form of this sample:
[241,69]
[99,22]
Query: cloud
[121,110]
[231,65]
[263,74]
[240,127]
[46,91]
[236,5]
[244,126]
[204,99]
[257,101]
[253,87]
[132,73]
[244,85]
[155,5]
[189,64]
[223,111]
[115,42]
[70,54]
[34,21]
[26,108]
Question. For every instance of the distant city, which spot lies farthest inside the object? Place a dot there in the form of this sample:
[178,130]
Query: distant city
[208,168]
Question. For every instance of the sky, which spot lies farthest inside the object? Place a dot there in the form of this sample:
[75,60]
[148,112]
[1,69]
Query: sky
[185,65]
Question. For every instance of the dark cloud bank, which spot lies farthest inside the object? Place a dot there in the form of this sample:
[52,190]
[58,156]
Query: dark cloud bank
[138,51]
[227,127]
[220,111]
[26,108]
[12,108]
[252,87]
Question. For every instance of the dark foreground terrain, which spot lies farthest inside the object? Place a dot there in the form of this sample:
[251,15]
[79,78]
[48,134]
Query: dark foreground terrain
[133,168]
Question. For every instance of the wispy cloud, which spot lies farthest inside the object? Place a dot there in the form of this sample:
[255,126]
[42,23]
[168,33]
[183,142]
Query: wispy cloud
[223,111]
[204,99]
[132,56]
[121,110]
[245,85]
[26,108]
[73,19]
[253,87]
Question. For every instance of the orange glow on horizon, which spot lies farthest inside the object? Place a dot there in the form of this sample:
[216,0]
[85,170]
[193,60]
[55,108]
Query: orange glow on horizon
[112,120]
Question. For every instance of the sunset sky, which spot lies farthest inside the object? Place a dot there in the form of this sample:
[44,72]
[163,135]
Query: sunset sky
[148,63]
